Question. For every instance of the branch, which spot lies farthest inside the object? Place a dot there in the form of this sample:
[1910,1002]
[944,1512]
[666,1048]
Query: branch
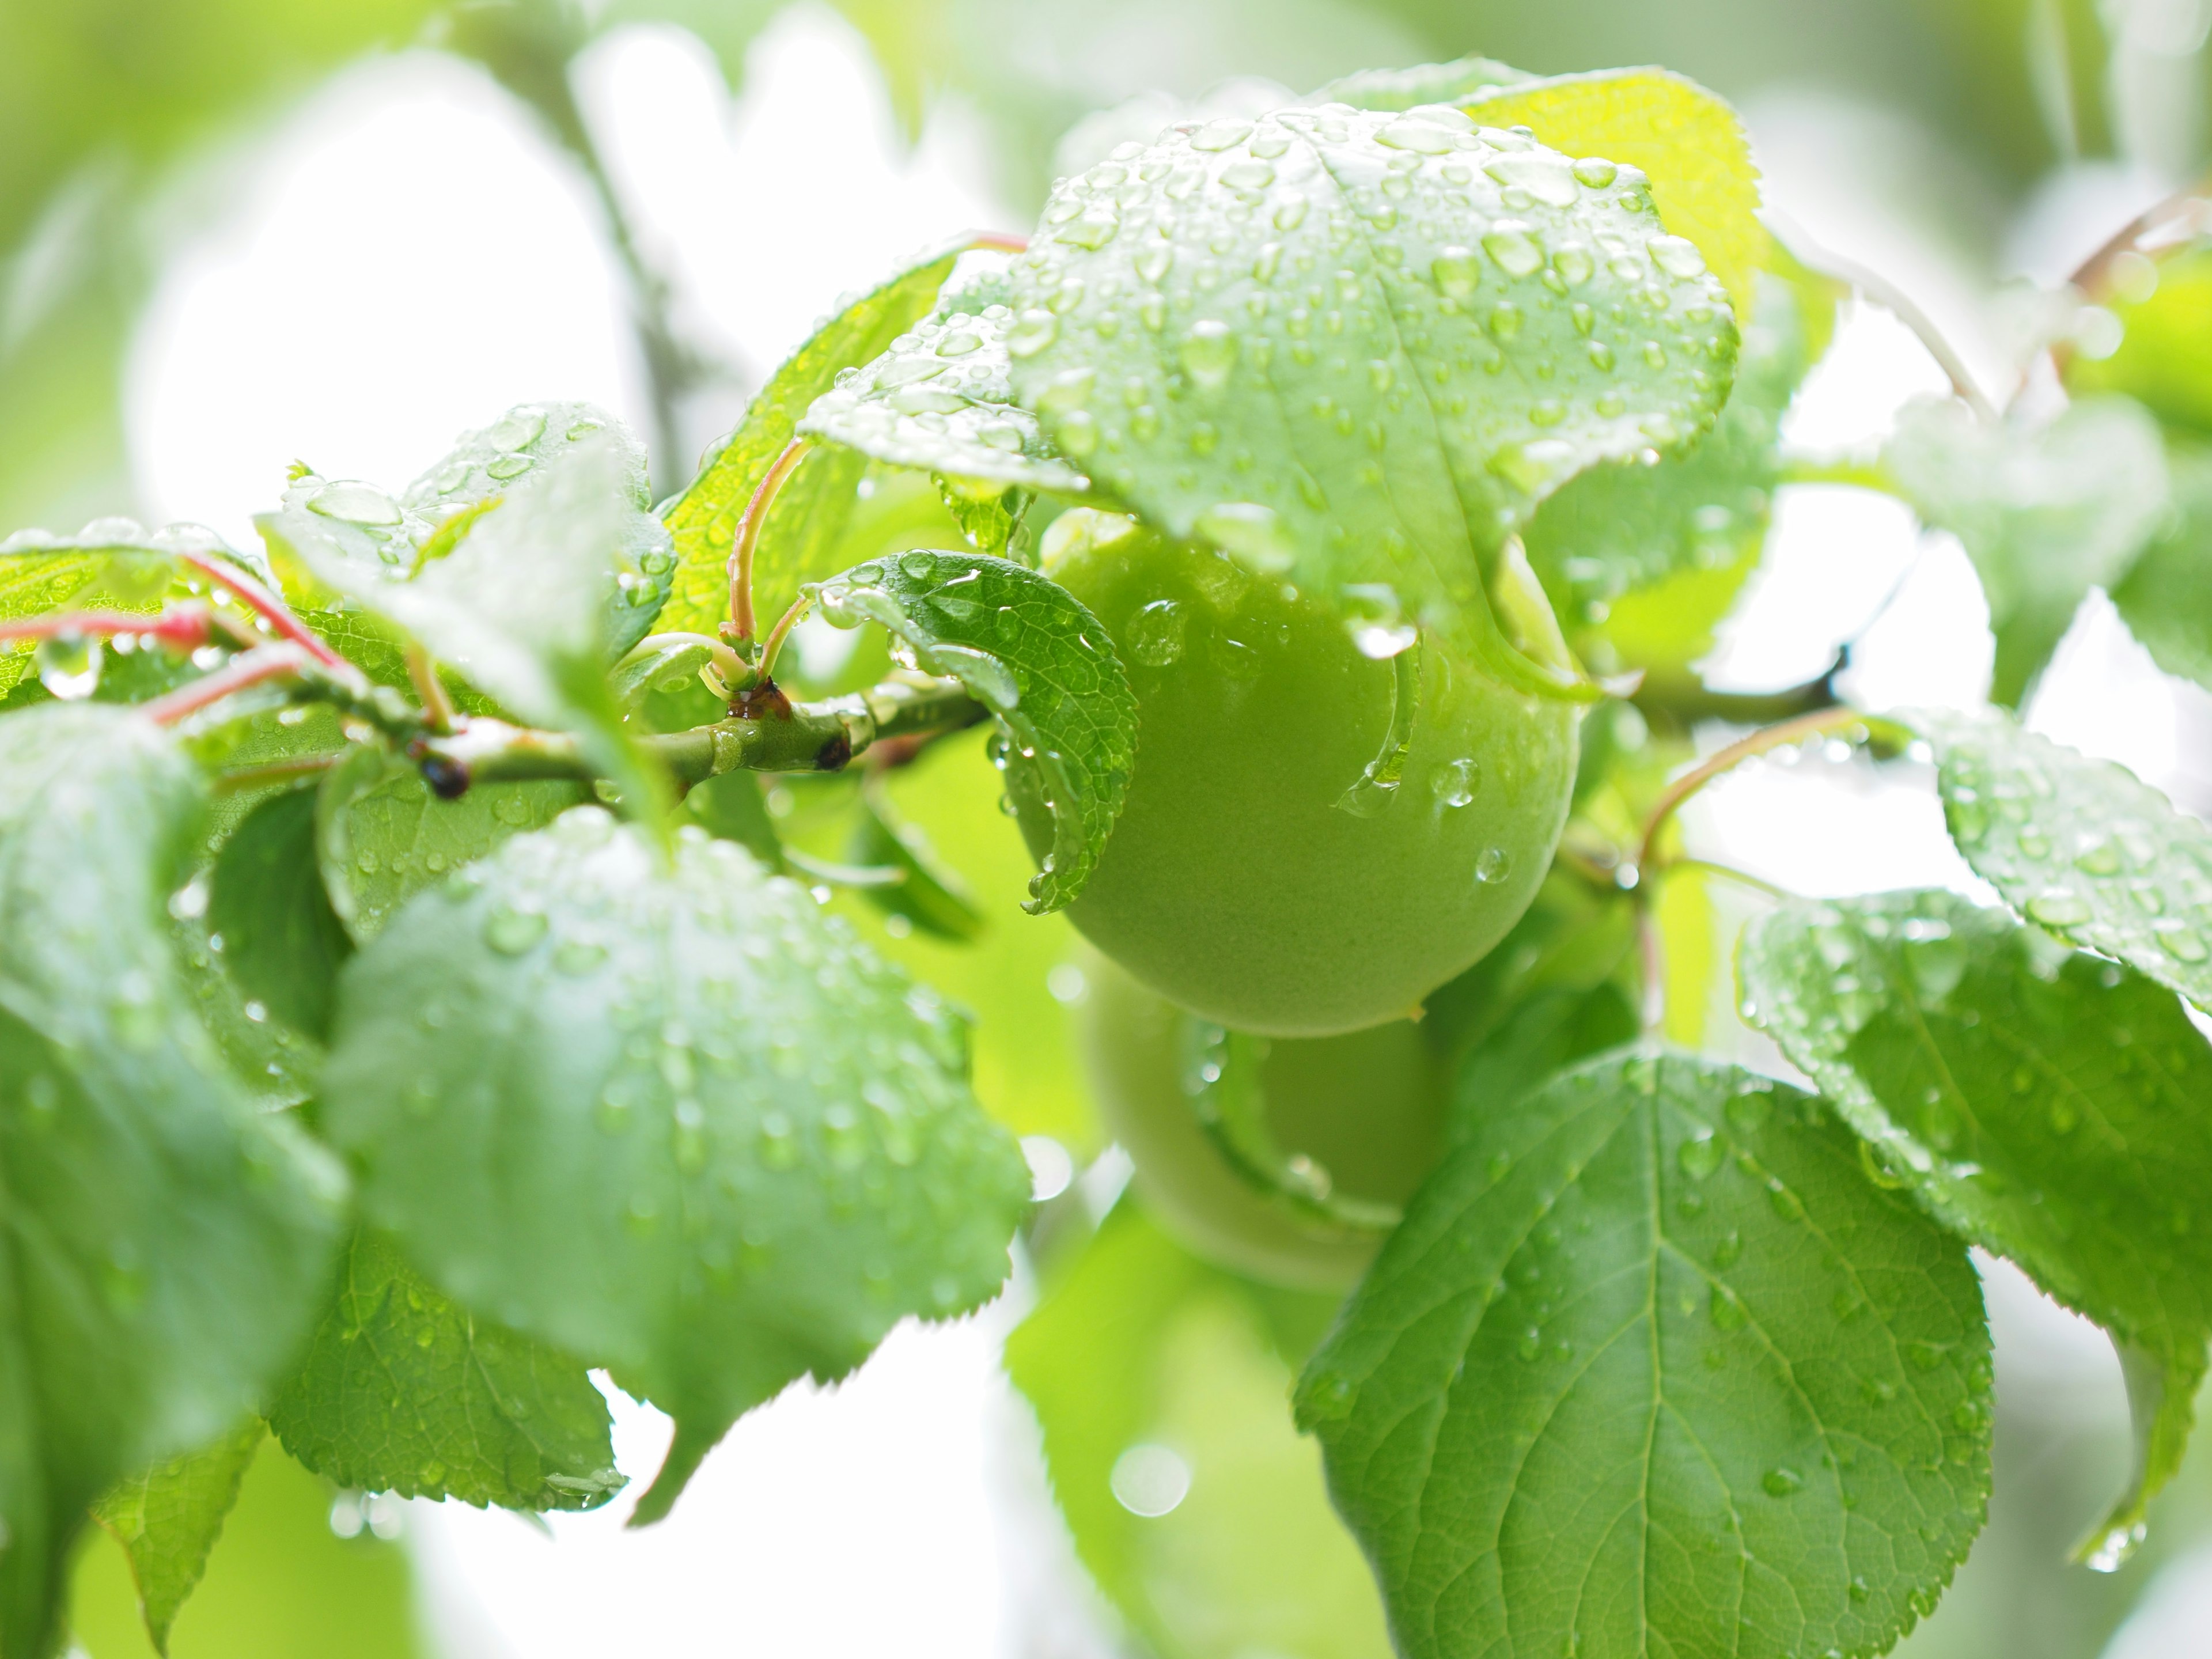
[1684,697]
[270,662]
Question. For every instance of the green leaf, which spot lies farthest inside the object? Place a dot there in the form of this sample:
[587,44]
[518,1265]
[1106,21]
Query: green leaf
[1026,647]
[1691,143]
[161,1243]
[2045,514]
[283,943]
[2047,1106]
[2080,847]
[2166,597]
[991,519]
[1425,83]
[730,806]
[1652,1367]
[2165,355]
[1142,1353]
[403,1391]
[1642,562]
[931,897]
[942,399]
[1264,335]
[169,1517]
[628,1109]
[383,837]
[817,500]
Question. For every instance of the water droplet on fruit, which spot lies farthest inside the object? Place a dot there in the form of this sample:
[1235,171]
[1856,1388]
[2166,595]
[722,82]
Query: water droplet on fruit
[1493,866]
[1155,634]
[1452,783]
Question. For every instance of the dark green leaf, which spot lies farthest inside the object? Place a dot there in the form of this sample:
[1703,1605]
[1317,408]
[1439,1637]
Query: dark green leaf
[1026,647]
[2044,513]
[1263,335]
[2080,847]
[383,836]
[169,1517]
[816,501]
[1424,84]
[666,1118]
[942,400]
[283,943]
[161,1245]
[929,897]
[1144,1360]
[2046,1105]
[2165,599]
[401,1390]
[1652,1367]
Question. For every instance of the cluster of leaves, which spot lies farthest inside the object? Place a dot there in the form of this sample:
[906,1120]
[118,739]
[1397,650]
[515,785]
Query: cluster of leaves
[367,1078]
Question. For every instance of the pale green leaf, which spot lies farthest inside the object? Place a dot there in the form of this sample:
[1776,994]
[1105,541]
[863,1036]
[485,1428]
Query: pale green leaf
[929,895]
[1026,648]
[2080,847]
[2166,597]
[817,499]
[2045,513]
[1266,334]
[1424,84]
[1652,1367]
[1144,1352]
[169,1517]
[624,1106]
[2164,355]
[161,1243]
[942,400]
[2047,1106]
[1690,143]
[401,1390]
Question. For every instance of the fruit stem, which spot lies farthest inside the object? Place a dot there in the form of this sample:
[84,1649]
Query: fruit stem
[269,662]
[1851,723]
[748,536]
[772,647]
[1729,872]
[437,705]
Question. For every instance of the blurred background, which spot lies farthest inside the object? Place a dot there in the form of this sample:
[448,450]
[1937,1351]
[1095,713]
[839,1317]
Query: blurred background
[233,233]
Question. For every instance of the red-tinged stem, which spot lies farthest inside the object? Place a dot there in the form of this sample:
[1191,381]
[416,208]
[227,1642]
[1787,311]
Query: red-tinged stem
[269,662]
[437,706]
[748,531]
[185,627]
[270,609]
[772,647]
[999,241]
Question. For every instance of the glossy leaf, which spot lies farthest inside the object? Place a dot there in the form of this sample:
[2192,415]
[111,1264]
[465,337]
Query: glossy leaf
[2080,847]
[1148,1369]
[169,1517]
[383,837]
[1025,647]
[942,399]
[2047,1106]
[2166,597]
[1690,141]
[817,499]
[1262,335]
[2045,514]
[283,943]
[161,1245]
[402,1390]
[1642,562]
[1651,1367]
[931,897]
[627,1108]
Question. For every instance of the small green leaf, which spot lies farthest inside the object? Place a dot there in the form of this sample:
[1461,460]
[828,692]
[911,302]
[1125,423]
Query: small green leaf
[2166,597]
[2080,847]
[2045,514]
[161,1243]
[1025,647]
[817,499]
[403,1391]
[730,806]
[2049,1107]
[931,897]
[2165,355]
[1642,562]
[1265,334]
[1691,143]
[1425,83]
[283,943]
[169,1517]
[942,399]
[382,836]
[1146,1367]
[1651,1367]
[622,1105]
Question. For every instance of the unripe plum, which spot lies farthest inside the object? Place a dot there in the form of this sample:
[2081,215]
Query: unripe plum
[1251,877]
[1367,1106]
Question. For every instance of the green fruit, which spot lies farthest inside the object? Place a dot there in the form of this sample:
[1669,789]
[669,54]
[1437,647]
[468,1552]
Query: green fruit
[1367,1106]
[1250,878]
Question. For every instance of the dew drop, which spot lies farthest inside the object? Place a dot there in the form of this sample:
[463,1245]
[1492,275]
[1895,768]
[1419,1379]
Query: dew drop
[2058,907]
[1456,271]
[1782,1482]
[1453,783]
[1699,1158]
[1493,866]
[1031,333]
[1155,634]
[1677,255]
[68,666]
[1208,354]
[354,503]
[511,932]
[1595,171]
[1517,252]
[1543,175]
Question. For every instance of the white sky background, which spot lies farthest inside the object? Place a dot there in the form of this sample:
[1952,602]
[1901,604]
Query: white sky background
[410,256]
